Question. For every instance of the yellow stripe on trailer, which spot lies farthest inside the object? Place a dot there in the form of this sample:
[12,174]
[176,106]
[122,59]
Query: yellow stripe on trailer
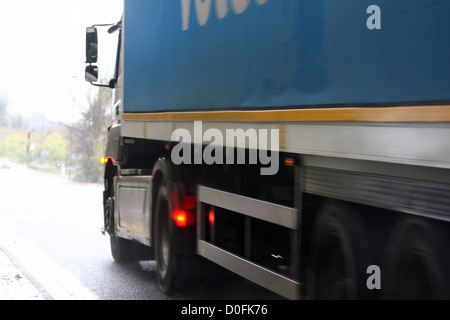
[361,114]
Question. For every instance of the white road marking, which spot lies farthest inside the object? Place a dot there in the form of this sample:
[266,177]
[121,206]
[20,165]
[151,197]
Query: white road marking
[14,285]
[57,282]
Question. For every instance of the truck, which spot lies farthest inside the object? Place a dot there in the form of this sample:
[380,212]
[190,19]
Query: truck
[303,145]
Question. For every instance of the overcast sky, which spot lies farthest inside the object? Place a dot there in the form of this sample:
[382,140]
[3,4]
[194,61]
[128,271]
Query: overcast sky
[42,53]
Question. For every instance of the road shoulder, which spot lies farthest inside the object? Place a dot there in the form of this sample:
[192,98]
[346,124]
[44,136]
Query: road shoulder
[14,285]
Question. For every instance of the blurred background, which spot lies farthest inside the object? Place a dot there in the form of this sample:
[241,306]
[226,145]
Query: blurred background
[48,113]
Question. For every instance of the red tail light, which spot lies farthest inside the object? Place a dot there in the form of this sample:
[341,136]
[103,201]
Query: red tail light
[180,218]
[185,217]
[211,217]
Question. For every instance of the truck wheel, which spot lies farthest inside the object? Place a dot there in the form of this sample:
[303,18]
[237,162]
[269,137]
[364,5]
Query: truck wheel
[123,250]
[166,260]
[109,215]
[338,241]
[119,247]
[417,261]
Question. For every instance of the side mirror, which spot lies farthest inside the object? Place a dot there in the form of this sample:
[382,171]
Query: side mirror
[91,45]
[91,74]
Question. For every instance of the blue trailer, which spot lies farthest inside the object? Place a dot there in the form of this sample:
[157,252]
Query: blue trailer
[303,145]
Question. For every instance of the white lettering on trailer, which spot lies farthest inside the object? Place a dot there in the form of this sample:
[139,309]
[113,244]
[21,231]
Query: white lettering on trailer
[203,9]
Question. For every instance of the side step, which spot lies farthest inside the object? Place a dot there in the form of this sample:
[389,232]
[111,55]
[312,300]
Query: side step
[269,212]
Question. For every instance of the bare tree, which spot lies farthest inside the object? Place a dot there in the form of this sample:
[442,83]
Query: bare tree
[88,135]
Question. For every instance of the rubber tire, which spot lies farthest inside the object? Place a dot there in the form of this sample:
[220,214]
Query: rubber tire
[167,263]
[417,261]
[120,248]
[123,250]
[109,215]
[338,257]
